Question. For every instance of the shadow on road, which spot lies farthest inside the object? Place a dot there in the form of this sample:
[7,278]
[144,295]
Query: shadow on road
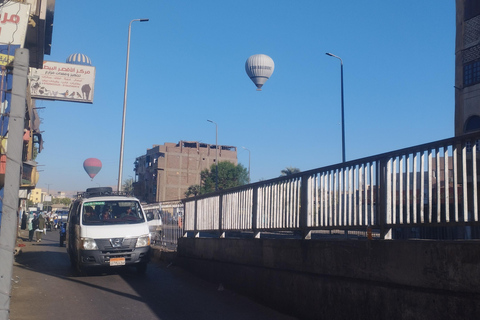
[165,291]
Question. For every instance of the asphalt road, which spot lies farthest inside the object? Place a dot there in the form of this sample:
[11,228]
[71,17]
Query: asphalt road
[46,287]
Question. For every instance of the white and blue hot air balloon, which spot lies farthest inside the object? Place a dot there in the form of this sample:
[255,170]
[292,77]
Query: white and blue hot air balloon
[259,68]
[79,58]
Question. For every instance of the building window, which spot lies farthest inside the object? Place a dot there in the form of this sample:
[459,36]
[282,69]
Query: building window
[472,124]
[471,73]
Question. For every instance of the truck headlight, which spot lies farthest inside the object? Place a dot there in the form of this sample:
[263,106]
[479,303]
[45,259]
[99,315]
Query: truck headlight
[143,241]
[88,244]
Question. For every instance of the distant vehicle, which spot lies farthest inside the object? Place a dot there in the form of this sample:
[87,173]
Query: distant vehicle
[155,226]
[107,228]
[63,233]
[62,215]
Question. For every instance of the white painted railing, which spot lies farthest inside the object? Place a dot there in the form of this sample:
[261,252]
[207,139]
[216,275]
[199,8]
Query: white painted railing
[426,191]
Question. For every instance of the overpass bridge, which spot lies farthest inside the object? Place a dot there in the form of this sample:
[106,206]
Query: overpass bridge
[391,235]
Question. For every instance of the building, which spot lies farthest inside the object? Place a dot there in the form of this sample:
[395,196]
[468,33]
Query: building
[166,171]
[60,195]
[467,67]
[36,195]
[29,26]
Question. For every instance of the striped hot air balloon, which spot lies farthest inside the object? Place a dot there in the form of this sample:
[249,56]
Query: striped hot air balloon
[92,166]
[259,68]
[79,58]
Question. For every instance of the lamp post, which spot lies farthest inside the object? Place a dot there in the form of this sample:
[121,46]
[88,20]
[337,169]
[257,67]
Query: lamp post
[343,119]
[248,164]
[216,154]
[120,166]
[48,194]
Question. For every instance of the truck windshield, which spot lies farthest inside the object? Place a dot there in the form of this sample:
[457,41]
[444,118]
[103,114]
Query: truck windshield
[111,212]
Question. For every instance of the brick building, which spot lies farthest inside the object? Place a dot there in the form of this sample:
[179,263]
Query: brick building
[166,171]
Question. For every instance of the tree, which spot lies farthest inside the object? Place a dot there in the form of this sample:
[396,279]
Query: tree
[64,201]
[229,176]
[47,205]
[288,171]
[128,186]
[193,190]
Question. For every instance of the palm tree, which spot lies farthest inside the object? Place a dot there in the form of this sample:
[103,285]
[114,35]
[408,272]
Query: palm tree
[288,171]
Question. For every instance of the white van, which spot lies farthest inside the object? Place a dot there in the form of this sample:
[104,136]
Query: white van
[107,228]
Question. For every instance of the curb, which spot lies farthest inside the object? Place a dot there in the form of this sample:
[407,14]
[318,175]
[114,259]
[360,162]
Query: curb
[163,255]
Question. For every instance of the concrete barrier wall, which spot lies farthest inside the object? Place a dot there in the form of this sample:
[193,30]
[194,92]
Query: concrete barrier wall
[344,279]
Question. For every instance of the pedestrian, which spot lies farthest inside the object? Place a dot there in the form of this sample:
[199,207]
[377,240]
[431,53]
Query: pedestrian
[24,221]
[30,228]
[41,227]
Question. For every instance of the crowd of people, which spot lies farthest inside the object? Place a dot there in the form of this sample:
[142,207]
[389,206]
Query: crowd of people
[37,223]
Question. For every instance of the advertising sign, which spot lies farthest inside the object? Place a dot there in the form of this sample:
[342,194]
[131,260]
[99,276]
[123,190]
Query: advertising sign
[5,59]
[62,81]
[13,23]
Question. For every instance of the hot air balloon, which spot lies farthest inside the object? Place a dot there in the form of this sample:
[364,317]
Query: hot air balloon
[92,166]
[259,68]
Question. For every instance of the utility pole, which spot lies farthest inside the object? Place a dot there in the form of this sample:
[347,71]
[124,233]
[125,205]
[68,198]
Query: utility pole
[8,230]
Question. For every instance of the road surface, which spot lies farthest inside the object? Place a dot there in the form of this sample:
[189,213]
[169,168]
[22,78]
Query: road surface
[46,287]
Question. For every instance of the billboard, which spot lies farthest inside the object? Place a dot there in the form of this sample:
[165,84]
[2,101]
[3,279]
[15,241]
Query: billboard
[13,23]
[13,29]
[62,81]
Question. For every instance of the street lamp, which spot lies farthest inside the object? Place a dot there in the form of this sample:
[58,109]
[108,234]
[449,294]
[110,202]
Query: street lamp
[248,164]
[120,166]
[216,154]
[343,121]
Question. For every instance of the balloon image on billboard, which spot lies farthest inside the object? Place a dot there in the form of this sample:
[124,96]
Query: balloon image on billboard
[259,68]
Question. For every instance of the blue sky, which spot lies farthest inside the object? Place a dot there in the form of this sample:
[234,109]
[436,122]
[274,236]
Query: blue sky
[187,66]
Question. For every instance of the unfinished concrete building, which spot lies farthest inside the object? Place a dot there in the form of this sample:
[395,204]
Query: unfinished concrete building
[166,171]
[467,67]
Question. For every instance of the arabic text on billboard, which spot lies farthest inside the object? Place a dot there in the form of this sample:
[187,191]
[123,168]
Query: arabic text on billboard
[63,81]
[13,23]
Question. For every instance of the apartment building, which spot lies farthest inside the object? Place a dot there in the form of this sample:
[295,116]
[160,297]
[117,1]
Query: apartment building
[36,195]
[467,67]
[166,171]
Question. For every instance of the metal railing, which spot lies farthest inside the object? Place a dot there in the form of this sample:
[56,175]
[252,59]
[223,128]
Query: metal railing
[167,224]
[428,191]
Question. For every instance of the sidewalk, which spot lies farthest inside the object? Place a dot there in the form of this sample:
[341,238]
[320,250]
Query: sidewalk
[22,243]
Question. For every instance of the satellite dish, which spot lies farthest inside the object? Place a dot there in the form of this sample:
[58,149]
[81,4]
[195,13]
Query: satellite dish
[259,68]
[92,166]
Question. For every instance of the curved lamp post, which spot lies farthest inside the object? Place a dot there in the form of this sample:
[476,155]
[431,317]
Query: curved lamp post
[343,119]
[120,166]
